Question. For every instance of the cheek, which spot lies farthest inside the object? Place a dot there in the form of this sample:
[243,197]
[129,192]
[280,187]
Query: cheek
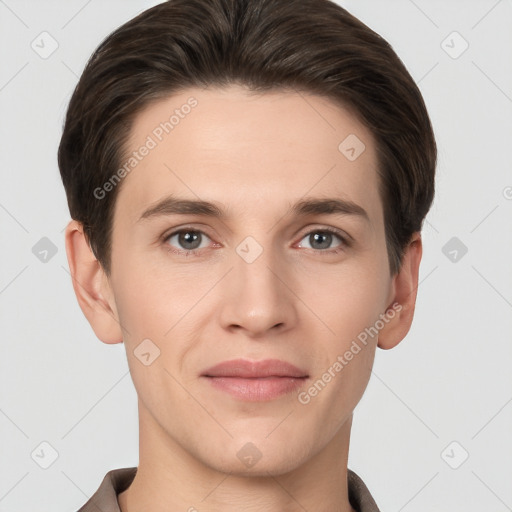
[347,299]
[162,305]
[351,303]
[152,299]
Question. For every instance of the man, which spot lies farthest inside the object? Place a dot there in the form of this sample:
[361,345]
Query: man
[247,182]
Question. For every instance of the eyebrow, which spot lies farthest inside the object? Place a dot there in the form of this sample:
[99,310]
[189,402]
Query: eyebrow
[329,206]
[171,205]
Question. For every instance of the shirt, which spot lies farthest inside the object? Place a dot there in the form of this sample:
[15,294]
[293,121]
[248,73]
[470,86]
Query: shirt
[118,480]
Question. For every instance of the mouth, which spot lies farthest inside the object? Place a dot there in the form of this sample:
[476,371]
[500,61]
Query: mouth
[255,380]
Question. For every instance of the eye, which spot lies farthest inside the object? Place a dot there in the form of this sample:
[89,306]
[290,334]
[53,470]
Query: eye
[322,239]
[186,240]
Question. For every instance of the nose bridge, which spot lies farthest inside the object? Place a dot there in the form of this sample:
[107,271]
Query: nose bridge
[258,298]
[255,267]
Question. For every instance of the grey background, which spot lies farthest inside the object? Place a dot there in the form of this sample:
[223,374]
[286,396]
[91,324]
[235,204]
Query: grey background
[444,393]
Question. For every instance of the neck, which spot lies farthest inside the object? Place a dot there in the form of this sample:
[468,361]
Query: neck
[170,479]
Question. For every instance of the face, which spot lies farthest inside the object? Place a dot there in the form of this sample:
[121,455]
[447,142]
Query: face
[286,262]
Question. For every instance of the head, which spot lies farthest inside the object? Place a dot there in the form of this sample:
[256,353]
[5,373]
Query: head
[249,115]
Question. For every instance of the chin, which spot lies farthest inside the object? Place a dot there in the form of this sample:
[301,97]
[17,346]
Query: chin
[262,468]
[257,457]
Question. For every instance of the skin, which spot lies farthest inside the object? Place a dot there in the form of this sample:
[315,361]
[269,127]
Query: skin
[253,156]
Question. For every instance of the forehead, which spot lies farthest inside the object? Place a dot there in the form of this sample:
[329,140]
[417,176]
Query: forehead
[245,150]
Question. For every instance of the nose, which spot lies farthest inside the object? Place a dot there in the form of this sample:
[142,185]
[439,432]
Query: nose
[257,296]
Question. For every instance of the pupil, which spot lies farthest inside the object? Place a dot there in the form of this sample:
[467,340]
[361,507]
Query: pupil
[318,238]
[189,237]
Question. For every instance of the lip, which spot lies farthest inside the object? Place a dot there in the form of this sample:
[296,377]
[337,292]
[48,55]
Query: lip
[246,369]
[255,380]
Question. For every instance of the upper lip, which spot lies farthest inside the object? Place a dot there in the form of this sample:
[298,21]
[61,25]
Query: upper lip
[246,369]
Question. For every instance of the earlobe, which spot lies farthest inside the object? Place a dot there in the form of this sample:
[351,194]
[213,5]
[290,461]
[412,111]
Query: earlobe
[405,285]
[91,286]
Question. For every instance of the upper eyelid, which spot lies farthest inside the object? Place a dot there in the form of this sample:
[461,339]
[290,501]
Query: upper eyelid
[344,237]
[173,233]
[346,240]
[337,231]
[331,231]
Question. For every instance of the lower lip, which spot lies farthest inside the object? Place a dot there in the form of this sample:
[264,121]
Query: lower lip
[257,389]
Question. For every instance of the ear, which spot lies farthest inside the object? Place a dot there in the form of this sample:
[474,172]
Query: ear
[402,296]
[92,286]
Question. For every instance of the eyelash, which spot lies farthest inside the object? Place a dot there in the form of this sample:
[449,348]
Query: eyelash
[345,243]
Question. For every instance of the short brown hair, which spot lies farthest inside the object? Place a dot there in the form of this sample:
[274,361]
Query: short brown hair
[314,46]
